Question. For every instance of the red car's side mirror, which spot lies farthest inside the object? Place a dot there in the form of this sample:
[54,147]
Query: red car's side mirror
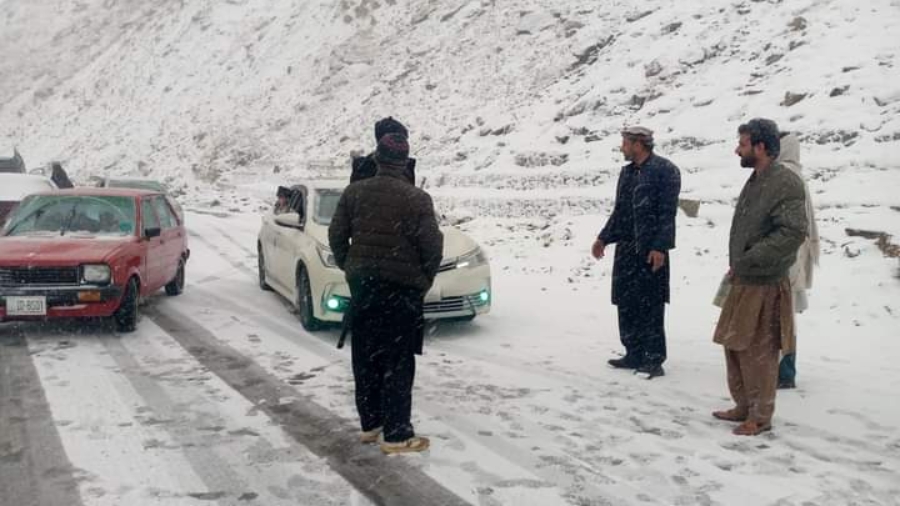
[150,233]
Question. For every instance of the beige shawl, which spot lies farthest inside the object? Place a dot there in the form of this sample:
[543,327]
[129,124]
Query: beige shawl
[801,273]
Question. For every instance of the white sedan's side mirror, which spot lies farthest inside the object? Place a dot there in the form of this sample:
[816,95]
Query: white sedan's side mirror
[290,220]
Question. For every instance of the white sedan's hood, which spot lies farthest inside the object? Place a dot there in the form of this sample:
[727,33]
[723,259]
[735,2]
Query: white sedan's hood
[317,232]
[456,242]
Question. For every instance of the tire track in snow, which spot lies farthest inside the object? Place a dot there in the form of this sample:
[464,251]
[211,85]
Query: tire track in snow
[383,481]
[34,467]
[577,487]
[240,266]
[210,431]
[285,302]
[216,474]
[230,238]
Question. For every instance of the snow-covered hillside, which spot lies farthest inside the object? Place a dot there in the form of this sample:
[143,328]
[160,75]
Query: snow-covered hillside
[503,98]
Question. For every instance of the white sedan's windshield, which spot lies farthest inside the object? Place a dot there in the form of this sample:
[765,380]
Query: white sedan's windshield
[73,215]
[326,203]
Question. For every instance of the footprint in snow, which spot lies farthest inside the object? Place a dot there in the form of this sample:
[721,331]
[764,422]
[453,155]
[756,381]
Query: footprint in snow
[95,492]
[208,496]
[299,378]
[871,425]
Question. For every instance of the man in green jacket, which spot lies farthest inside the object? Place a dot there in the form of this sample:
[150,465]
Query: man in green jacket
[757,319]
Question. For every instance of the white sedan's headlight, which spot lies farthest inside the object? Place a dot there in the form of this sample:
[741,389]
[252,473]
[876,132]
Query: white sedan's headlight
[98,273]
[474,258]
[326,256]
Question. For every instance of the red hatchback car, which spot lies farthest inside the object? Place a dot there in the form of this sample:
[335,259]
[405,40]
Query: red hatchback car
[89,252]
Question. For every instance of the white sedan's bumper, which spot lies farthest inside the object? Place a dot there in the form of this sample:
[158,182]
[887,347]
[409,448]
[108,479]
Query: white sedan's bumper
[456,293]
[460,293]
[335,294]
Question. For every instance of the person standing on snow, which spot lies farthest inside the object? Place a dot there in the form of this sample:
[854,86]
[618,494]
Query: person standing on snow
[385,237]
[757,318]
[59,177]
[642,225]
[801,273]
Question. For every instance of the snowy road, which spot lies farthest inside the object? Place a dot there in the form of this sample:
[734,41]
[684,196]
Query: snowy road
[221,398]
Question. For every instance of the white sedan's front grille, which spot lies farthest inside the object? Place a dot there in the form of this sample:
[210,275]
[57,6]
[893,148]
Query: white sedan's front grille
[447,266]
[454,304]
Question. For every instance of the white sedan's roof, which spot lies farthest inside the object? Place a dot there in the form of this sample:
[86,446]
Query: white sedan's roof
[325,184]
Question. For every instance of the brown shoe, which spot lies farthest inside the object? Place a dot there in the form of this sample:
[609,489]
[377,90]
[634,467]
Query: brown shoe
[413,444]
[370,436]
[731,415]
[751,428]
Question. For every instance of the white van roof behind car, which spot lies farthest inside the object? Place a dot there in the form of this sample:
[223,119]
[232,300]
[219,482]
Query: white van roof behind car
[15,187]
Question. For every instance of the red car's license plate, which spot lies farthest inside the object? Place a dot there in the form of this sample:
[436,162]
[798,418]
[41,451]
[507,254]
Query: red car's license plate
[26,306]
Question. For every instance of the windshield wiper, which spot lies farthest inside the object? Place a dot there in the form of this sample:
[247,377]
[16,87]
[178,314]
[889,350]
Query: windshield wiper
[69,220]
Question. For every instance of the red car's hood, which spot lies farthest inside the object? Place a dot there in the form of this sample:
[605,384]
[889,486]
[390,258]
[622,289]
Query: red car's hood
[46,251]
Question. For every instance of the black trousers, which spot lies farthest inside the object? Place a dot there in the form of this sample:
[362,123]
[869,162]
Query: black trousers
[642,330]
[787,368]
[386,327]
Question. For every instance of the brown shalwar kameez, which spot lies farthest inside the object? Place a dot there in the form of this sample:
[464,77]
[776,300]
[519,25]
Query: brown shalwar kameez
[756,322]
[768,226]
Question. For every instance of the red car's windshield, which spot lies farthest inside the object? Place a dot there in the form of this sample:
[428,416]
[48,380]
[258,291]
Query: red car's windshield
[74,215]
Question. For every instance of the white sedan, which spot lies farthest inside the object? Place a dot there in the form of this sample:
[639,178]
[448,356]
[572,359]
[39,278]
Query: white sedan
[296,262]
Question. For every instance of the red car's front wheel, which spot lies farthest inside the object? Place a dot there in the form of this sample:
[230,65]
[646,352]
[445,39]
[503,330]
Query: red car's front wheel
[127,315]
[176,286]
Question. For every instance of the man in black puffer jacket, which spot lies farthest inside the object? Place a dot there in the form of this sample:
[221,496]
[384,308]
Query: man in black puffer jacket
[385,237]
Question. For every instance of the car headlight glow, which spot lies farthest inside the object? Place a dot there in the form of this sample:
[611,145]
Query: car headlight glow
[474,258]
[326,256]
[95,273]
[337,303]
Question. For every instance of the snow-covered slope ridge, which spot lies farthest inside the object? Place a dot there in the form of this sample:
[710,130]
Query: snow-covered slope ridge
[501,98]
